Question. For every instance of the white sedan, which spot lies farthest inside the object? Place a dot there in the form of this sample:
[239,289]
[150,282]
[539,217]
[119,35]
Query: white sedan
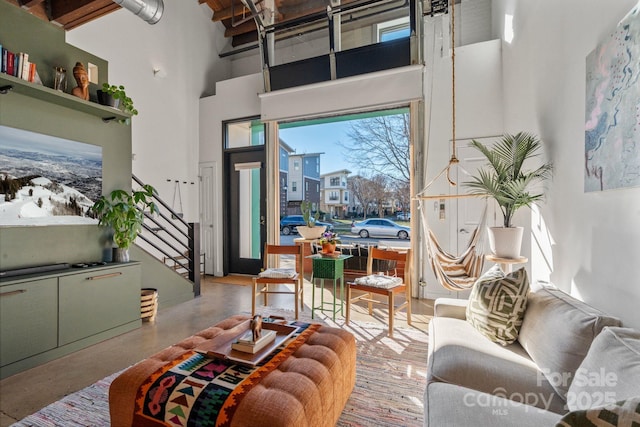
[380,227]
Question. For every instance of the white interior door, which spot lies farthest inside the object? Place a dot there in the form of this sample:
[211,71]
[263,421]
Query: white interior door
[470,208]
[207,178]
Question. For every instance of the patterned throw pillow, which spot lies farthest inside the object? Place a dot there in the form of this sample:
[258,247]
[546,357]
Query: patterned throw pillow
[621,414]
[497,304]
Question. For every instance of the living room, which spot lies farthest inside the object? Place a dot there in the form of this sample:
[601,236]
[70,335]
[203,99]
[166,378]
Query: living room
[533,79]
[543,75]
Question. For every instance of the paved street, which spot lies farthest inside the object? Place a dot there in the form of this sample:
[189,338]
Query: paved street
[351,239]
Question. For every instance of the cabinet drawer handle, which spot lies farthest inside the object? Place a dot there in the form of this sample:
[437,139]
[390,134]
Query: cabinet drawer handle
[8,294]
[104,276]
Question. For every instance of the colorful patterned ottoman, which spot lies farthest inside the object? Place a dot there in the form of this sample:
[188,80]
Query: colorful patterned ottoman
[306,382]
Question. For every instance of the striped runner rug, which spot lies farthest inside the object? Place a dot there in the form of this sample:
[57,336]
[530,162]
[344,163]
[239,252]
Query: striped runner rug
[390,383]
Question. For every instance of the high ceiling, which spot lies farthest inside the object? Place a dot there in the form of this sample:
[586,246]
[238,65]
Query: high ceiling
[67,13]
[234,15]
[239,24]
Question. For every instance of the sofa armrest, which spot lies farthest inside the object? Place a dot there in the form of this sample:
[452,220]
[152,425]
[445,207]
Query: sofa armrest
[450,307]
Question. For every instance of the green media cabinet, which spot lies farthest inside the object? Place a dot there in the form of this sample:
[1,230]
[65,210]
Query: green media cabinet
[46,316]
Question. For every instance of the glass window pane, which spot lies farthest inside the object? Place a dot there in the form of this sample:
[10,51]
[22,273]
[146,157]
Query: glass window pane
[249,230]
[244,134]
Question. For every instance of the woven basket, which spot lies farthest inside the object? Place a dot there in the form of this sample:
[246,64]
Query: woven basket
[327,268]
[148,304]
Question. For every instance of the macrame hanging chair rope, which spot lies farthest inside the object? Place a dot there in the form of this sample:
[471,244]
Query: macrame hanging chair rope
[454,272]
[454,159]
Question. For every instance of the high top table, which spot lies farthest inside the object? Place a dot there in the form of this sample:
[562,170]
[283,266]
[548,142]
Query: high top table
[330,268]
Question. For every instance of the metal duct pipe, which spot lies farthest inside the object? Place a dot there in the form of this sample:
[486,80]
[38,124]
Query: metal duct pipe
[147,10]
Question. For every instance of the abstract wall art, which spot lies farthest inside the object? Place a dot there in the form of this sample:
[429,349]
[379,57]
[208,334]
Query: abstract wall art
[612,119]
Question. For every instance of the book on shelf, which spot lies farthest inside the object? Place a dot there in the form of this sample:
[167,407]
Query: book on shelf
[246,344]
[10,62]
[17,65]
[32,72]
[24,72]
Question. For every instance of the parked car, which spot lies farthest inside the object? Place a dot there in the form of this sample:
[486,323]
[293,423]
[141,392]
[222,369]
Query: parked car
[380,227]
[403,216]
[289,223]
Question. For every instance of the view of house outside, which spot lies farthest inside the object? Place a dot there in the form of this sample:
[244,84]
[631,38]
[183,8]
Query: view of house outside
[350,168]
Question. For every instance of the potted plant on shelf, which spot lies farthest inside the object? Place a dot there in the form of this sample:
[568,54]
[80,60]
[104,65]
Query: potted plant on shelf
[123,212]
[310,231]
[116,97]
[329,240]
[512,186]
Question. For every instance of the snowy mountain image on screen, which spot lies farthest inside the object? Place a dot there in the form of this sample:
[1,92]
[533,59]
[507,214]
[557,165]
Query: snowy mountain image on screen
[47,180]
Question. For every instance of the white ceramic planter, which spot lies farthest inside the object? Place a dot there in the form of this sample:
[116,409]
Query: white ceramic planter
[505,242]
[310,233]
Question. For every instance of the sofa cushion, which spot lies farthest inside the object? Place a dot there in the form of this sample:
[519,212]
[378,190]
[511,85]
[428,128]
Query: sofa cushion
[448,405]
[459,354]
[557,332]
[497,304]
[625,413]
[610,372]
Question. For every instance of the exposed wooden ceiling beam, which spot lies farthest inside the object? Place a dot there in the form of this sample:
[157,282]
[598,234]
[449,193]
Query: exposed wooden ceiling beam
[98,13]
[245,27]
[38,9]
[30,3]
[214,4]
[66,11]
[238,10]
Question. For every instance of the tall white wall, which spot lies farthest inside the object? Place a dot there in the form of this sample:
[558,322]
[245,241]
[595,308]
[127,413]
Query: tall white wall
[184,45]
[479,114]
[593,238]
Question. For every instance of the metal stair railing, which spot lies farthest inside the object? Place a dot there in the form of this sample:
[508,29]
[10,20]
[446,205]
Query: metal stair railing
[173,240]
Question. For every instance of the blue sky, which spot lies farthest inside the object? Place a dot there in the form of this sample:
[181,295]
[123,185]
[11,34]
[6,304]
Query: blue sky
[321,138]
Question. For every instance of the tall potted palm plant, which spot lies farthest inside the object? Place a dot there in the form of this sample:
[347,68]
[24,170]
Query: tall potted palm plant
[510,184]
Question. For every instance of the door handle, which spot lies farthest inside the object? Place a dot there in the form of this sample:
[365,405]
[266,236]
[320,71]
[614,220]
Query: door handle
[262,220]
[463,231]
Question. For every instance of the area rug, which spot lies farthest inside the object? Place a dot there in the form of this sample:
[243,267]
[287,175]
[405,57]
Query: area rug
[390,382]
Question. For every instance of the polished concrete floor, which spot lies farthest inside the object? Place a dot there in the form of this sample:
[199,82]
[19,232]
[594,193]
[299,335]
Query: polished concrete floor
[26,392]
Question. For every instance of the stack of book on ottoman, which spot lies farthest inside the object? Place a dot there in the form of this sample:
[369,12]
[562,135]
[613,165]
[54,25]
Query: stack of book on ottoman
[246,344]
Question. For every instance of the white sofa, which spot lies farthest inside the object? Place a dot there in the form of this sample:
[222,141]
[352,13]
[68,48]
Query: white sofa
[568,357]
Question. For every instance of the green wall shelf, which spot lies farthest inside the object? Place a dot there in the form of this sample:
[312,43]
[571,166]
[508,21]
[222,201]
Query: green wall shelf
[59,98]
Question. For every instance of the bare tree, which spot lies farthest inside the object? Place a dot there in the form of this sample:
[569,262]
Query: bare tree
[359,187]
[380,145]
[379,188]
[402,193]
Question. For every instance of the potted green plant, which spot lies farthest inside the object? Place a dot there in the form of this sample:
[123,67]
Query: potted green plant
[310,231]
[116,97]
[510,184]
[123,212]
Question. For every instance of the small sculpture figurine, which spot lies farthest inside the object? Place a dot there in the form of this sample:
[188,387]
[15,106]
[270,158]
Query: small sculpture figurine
[82,78]
[256,327]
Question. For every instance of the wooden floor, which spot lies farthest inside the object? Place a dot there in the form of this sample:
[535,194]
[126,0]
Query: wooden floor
[27,392]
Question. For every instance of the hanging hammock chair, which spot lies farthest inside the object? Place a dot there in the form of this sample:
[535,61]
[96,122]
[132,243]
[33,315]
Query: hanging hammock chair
[454,272]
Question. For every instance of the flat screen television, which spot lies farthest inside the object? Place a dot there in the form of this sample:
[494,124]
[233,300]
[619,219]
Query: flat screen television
[45,180]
